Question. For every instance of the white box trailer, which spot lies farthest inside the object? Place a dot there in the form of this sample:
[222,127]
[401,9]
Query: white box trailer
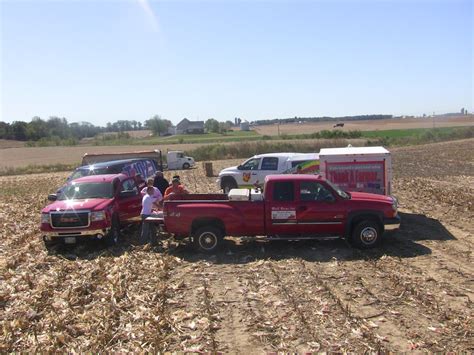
[363,169]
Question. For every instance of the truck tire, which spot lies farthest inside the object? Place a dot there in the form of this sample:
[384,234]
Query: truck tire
[207,239]
[113,236]
[228,185]
[51,246]
[186,166]
[366,234]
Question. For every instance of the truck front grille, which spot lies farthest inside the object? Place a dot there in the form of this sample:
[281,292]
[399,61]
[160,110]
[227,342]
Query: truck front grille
[69,219]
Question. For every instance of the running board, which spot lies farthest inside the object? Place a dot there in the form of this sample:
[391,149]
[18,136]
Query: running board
[288,238]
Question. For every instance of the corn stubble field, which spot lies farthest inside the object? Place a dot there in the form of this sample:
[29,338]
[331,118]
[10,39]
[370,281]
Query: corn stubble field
[414,293]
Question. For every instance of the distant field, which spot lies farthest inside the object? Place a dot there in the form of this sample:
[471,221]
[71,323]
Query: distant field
[134,134]
[14,155]
[23,157]
[232,136]
[6,143]
[367,125]
[18,157]
[398,133]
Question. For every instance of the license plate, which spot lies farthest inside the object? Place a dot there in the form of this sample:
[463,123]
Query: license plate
[70,240]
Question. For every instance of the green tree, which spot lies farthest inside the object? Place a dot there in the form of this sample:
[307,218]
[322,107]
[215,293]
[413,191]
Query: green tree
[37,129]
[158,125]
[19,130]
[212,125]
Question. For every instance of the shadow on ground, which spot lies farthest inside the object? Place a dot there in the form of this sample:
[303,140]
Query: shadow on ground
[402,243]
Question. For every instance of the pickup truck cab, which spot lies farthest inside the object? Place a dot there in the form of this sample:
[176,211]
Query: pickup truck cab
[254,170]
[95,206]
[292,207]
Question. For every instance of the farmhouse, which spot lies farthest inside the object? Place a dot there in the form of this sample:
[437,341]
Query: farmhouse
[189,127]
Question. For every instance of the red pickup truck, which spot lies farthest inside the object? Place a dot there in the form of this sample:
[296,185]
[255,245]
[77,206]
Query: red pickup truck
[92,206]
[292,207]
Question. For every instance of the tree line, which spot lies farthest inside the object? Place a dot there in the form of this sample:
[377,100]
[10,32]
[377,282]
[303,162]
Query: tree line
[55,128]
[321,119]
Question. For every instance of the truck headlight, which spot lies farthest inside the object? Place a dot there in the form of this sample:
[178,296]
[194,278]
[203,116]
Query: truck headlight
[97,216]
[45,218]
[394,203]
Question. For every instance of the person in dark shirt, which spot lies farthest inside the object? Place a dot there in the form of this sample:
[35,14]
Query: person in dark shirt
[160,182]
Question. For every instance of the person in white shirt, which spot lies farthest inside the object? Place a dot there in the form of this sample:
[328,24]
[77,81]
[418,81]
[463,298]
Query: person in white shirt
[156,192]
[147,205]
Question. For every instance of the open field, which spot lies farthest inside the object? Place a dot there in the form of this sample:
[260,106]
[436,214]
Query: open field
[23,157]
[368,125]
[7,143]
[414,293]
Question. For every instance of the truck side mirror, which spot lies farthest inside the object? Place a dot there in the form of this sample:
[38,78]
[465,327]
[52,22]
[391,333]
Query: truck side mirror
[52,197]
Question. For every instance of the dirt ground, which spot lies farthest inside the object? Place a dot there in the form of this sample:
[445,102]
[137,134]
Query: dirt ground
[368,125]
[413,293]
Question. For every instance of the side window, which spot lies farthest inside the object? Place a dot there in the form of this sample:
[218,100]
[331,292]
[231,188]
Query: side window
[180,155]
[294,164]
[129,187]
[314,191]
[251,164]
[283,191]
[269,163]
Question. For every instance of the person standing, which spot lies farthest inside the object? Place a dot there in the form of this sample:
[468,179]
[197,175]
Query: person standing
[147,204]
[156,192]
[175,188]
[160,182]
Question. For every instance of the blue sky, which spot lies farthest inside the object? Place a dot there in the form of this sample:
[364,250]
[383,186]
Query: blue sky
[104,60]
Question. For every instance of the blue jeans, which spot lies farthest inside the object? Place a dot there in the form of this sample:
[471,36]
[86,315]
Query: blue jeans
[145,232]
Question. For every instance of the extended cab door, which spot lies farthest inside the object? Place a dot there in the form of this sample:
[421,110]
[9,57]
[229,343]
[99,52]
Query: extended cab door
[319,210]
[280,209]
[129,201]
[268,166]
[248,172]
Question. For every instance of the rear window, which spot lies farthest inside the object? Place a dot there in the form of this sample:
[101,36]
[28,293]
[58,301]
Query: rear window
[283,191]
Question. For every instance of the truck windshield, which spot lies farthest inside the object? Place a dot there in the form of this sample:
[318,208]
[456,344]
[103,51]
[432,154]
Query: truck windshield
[100,171]
[251,164]
[340,192]
[86,190]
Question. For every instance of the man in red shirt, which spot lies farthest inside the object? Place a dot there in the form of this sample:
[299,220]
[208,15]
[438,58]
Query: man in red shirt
[175,188]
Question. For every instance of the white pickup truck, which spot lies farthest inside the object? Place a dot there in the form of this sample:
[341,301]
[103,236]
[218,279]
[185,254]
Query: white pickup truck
[254,170]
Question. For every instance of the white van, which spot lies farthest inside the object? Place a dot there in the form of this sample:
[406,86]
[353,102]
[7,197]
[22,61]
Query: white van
[253,171]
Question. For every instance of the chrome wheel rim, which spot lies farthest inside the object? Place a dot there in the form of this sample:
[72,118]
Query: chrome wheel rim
[208,241]
[368,235]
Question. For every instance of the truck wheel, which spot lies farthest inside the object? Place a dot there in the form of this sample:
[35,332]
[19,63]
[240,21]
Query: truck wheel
[366,234]
[228,185]
[186,166]
[51,246]
[207,239]
[113,236]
